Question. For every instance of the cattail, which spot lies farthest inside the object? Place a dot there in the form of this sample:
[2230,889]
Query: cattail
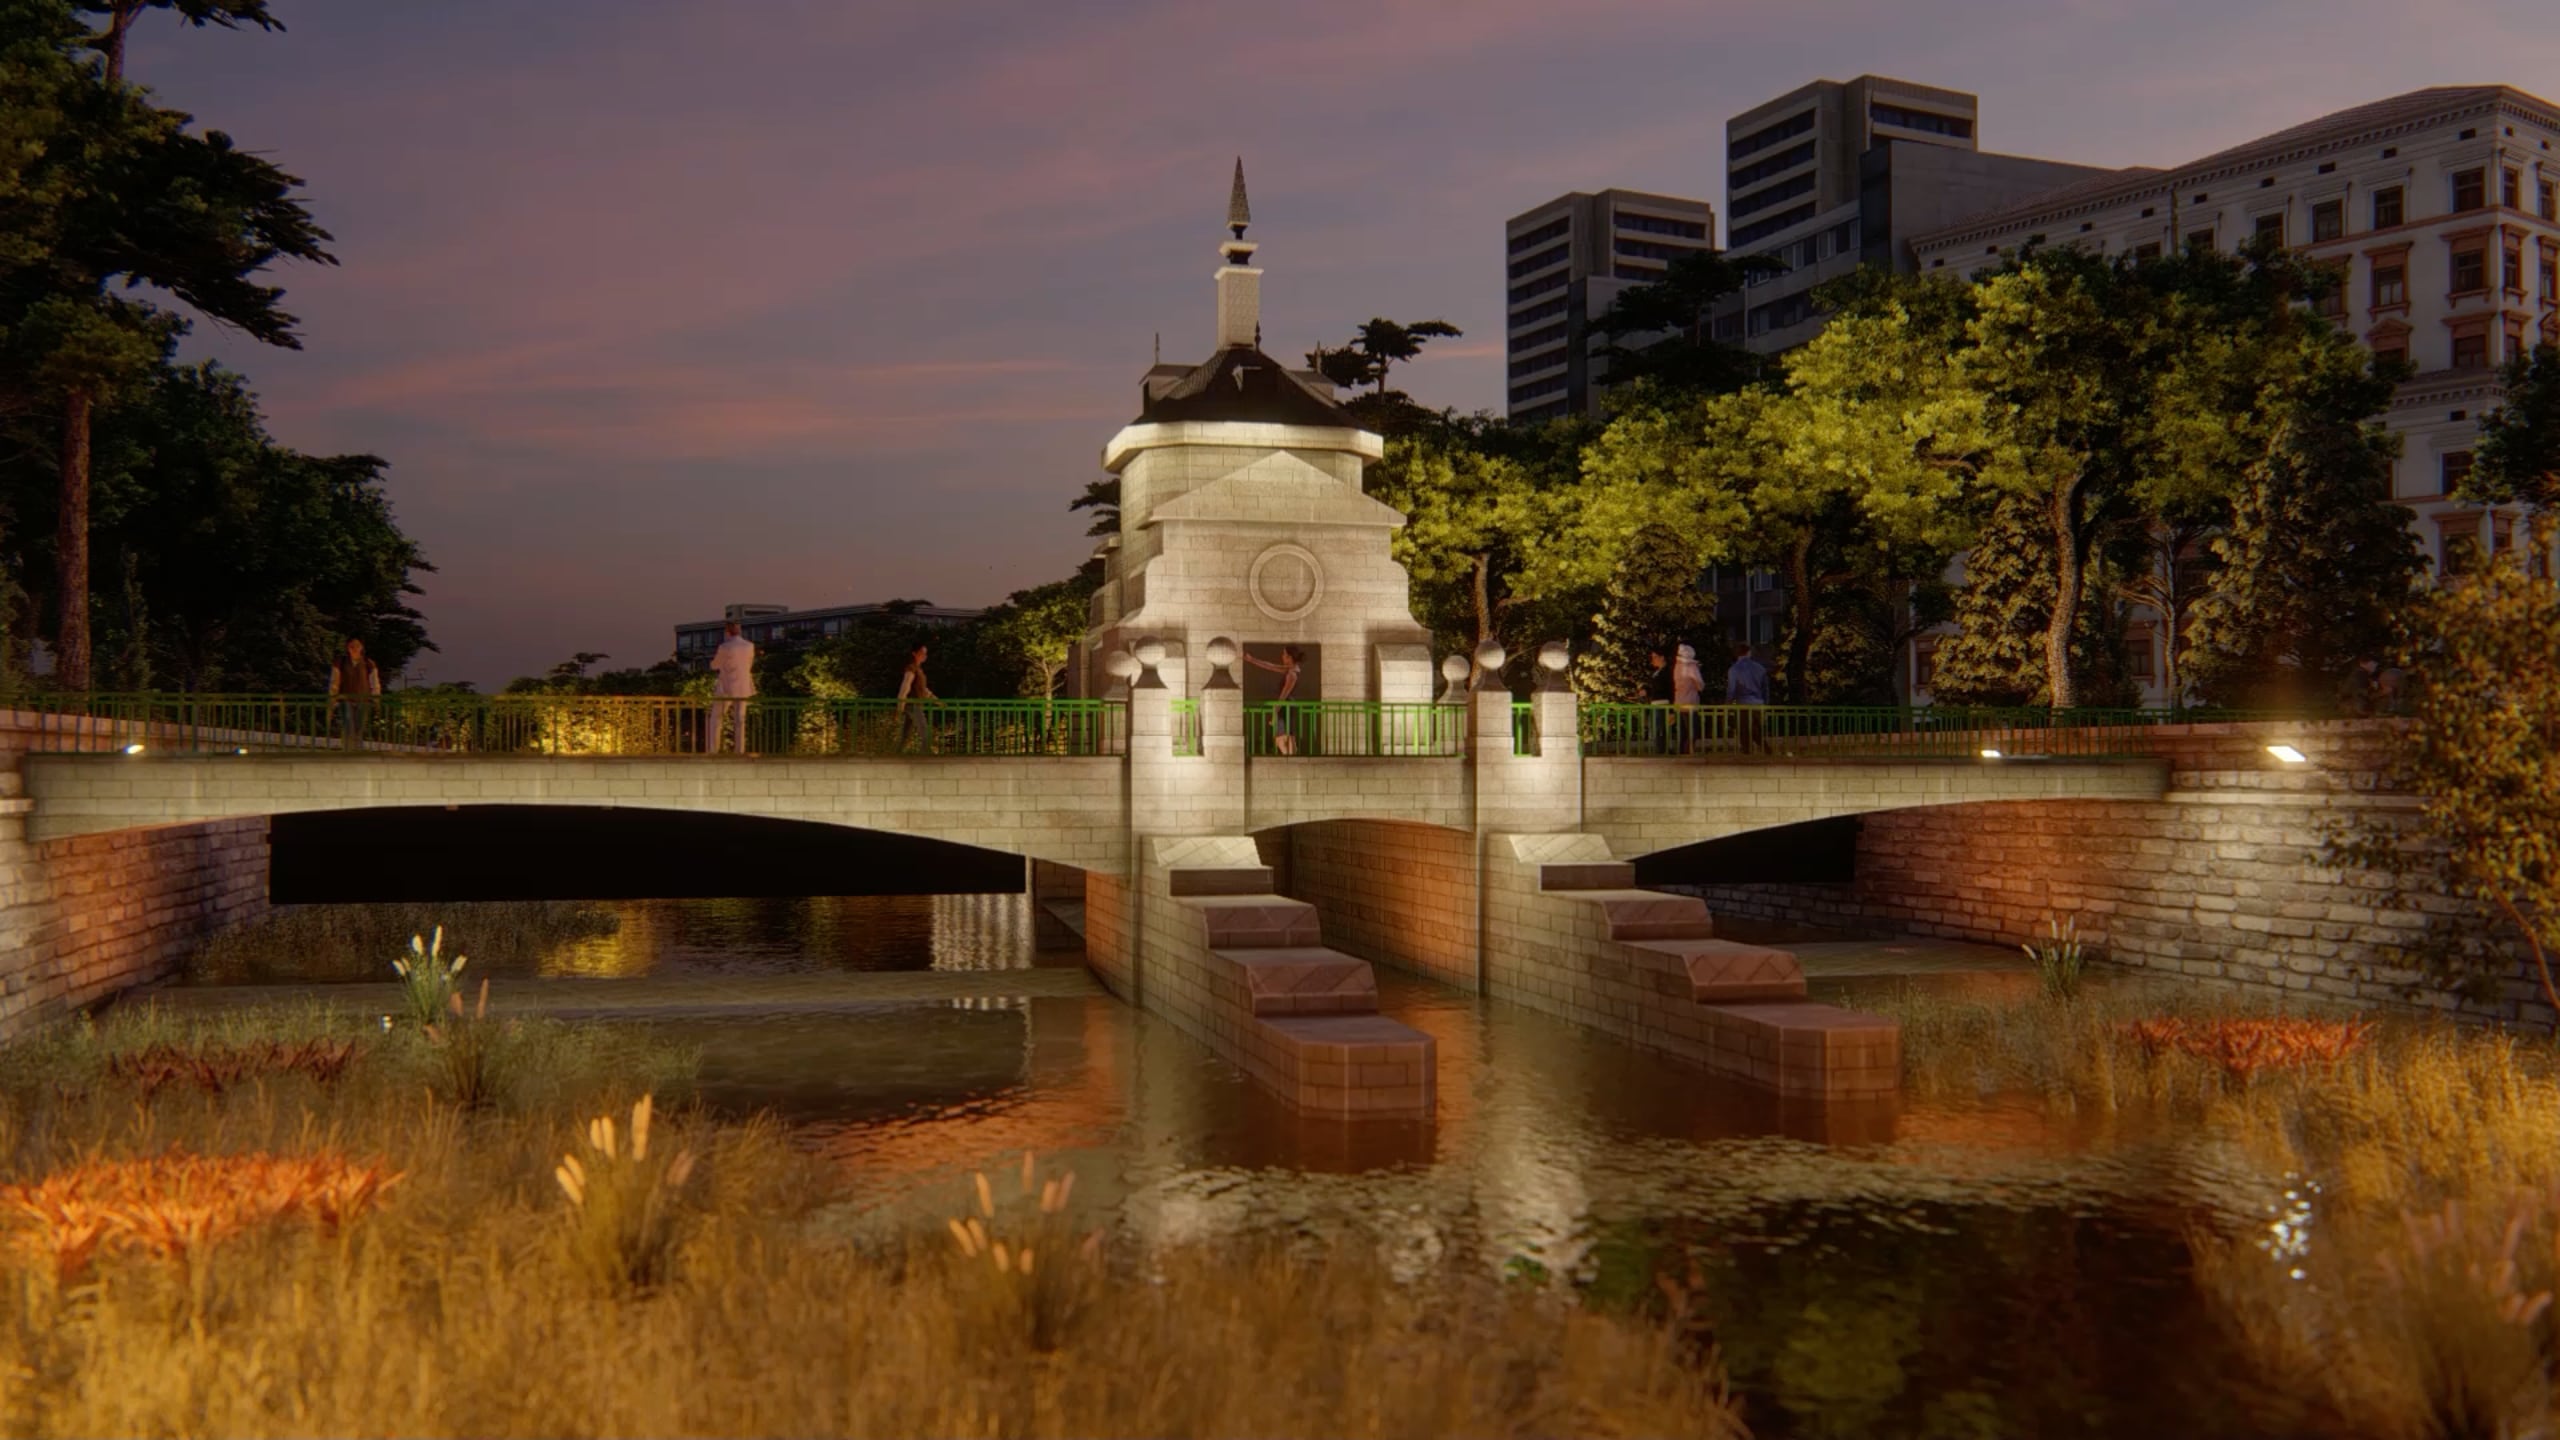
[978,1233]
[1025,1260]
[960,1233]
[640,1114]
[1004,1262]
[1026,1172]
[986,1197]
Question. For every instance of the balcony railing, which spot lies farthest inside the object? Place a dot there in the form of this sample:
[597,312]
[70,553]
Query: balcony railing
[578,725]
[1891,732]
[1341,728]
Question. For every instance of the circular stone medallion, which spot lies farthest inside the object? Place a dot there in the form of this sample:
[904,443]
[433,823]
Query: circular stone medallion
[1285,582]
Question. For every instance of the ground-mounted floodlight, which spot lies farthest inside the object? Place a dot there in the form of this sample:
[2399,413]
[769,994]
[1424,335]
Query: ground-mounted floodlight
[1991,755]
[2288,754]
[134,749]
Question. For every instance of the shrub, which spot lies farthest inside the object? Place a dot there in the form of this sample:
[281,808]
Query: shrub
[2059,958]
[427,980]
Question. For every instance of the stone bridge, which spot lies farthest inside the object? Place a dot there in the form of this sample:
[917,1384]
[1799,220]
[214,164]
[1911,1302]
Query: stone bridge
[1211,877]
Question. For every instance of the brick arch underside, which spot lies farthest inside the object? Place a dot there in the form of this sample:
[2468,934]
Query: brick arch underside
[574,852]
[1066,811]
[1644,808]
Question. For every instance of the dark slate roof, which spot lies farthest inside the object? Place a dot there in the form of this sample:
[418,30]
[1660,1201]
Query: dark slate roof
[1241,383]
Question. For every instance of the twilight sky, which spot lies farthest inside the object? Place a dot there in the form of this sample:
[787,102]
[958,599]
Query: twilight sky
[657,306]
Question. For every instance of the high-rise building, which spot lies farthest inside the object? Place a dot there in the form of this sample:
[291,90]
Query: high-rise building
[2441,211]
[1567,261]
[1839,174]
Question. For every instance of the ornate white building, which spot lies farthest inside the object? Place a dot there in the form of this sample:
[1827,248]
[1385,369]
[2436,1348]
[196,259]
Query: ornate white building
[1242,517]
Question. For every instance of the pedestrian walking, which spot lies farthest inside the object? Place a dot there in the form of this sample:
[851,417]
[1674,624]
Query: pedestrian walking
[355,683]
[1688,689]
[1658,694]
[733,684]
[1283,738]
[1746,685]
[914,691]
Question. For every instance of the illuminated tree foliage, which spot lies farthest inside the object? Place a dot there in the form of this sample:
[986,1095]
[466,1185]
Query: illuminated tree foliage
[1652,608]
[2317,562]
[2483,755]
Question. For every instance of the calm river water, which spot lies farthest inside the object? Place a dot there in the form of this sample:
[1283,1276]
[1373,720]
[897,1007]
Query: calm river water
[1977,1270]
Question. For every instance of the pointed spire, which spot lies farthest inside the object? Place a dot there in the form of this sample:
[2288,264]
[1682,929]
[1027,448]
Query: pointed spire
[1239,214]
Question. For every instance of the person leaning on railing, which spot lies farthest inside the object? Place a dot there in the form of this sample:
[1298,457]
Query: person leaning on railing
[355,683]
[914,692]
[1746,685]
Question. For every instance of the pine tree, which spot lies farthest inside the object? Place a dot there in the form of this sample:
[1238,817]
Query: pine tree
[2318,564]
[1654,606]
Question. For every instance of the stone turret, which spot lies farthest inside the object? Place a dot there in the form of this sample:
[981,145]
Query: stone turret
[1242,515]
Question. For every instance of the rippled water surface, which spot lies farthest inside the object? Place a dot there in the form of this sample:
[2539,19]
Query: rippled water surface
[1990,1269]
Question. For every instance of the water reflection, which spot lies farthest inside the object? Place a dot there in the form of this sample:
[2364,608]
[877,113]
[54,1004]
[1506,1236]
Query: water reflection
[789,937]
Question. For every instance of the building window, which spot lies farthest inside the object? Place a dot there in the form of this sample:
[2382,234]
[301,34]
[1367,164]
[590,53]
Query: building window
[2471,270]
[1536,339]
[1659,225]
[1764,579]
[2452,469]
[1540,236]
[1762,229]
[2515,338]
[1759,170]
[1921,120]
[2138,655]
[2515,269]
[2460,553]
[1777,194]
[2328,220]
[1540,261]
[1536,288]
[1787,129]
[2471,350]
[2149,250]
[1536,313]
[1540,388]
[2390,284]
[1650,249]
[2390,356]
[2386,208]
[2199,239]
[2550,279]
[2550,200]
[1627,270]
[2510,189]
[2470,190]
[2333,298]
[2271,227]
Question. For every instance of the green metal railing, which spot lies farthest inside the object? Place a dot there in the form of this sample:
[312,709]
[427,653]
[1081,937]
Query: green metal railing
[1353,728]
[1841,731]
[1186,727]
[579,725]
[1524,728]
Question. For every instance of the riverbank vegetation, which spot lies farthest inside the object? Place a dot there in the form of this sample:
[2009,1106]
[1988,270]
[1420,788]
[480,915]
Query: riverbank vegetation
[306,944]
[380,1258]
[2402,1286]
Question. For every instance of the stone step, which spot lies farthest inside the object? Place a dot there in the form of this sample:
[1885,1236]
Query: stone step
[1348,1065]
[1222,880]
[1304,980]
[1806,1049]
[1729,972]
[1650,914]
[1588,875]
[1258,922]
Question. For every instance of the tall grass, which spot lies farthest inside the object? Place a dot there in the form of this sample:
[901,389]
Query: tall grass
[2405,1287]
[465,1302]
[299,944]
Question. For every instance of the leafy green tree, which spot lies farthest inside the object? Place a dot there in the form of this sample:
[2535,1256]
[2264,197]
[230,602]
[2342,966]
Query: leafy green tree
[1661,333]
[1654,605]
[1380,345]
[1472,514]
[2483,756]
[2518,459]
[128,196]
[1036,630]
[2003,614]
[2318,563]
[2118,389]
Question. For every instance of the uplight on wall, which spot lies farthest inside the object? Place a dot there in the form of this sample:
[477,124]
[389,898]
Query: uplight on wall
[2288,754]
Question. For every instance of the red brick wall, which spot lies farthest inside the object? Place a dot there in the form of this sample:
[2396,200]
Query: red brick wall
[84,918]
[1392,894]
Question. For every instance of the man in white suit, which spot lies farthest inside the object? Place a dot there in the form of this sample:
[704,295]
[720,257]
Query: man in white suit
[733,684]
